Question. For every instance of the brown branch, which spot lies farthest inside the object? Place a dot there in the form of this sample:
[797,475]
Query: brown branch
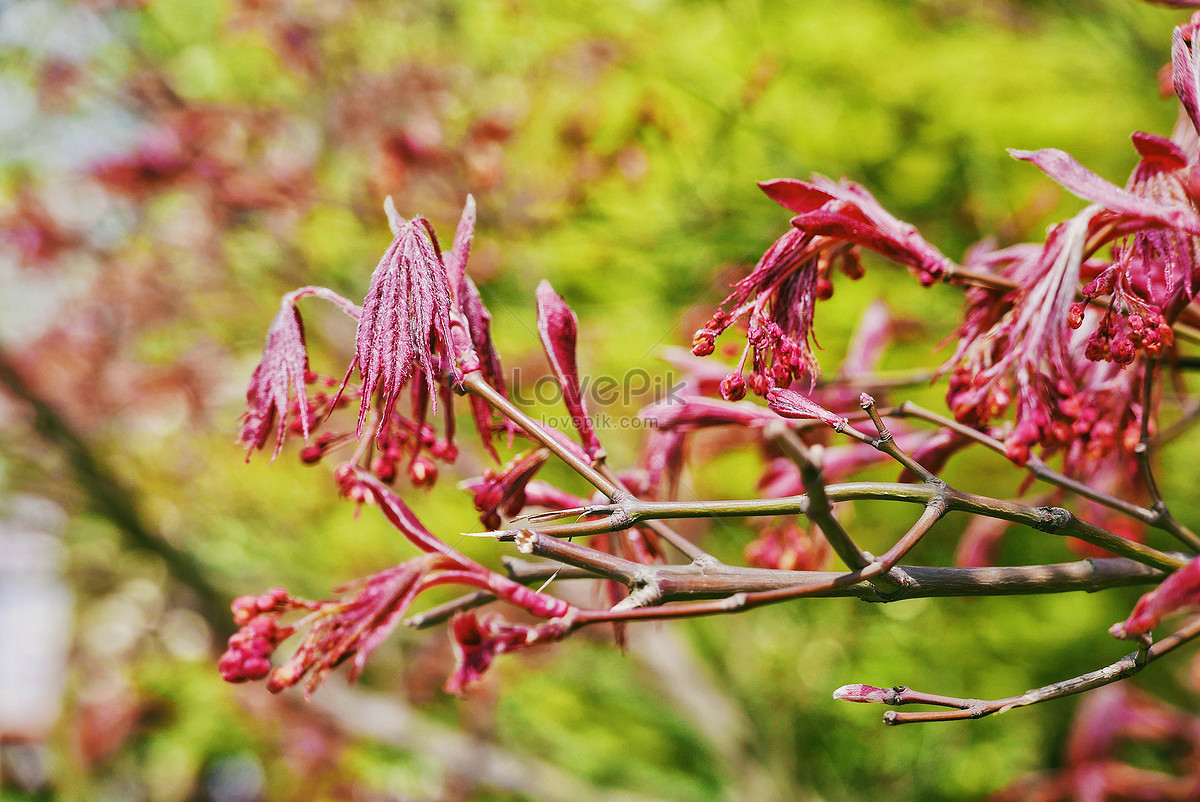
[819,510]
[601,477]
[960,709]
[744,588]
[673,583]
[109,496]
[681,582]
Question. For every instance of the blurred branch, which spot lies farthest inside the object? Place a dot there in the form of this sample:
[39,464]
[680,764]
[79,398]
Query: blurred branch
[381,718]
[110,497]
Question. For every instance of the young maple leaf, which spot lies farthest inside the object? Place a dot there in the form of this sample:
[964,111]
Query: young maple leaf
[477,641]
[558,330]
[790,404]
[283,368]
[843,210]
[475,351]
[1178,592]
[405,324]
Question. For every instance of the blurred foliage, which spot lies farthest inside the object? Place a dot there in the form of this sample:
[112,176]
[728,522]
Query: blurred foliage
[613,149]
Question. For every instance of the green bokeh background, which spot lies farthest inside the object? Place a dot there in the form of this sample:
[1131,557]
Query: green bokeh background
[638,131]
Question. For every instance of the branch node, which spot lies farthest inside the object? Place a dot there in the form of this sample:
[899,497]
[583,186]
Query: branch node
[648,594]
[895,588]
[1053,519]
[525,540]
[621,517]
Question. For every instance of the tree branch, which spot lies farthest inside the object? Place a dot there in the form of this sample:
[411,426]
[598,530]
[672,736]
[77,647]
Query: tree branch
[1126,667]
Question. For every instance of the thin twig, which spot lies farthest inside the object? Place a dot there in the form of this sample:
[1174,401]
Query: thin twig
[1126,667]
[446,611]
[1165,521]
[887,444]
[819,510]
[932,513]
[1034,465]
[681,543]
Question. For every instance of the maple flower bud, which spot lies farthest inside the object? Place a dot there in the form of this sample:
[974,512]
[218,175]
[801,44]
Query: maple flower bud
[733,388]
[1178,592]
[478,641]
[703,342]
[1075,315]
[422,472]
[558,330]
[1121,351]
[385,468]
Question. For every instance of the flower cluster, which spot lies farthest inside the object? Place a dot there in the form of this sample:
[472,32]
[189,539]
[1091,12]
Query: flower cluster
[277,387]
[249,654]
[504,491]
[422,325]
[352,625]
[477,641]
[778,297]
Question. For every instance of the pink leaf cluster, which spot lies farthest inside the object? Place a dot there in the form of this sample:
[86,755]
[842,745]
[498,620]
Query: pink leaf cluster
[1178,592]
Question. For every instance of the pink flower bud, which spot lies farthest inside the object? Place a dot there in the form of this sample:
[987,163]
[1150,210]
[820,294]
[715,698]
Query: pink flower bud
[865,694]
[422,472]
[1096,349]
[384,468]
[1075,315]
[255,667]
[733,388]
[244,609]
[1121,351]
[1179,591]
[781,375]
[791,404]
[758,383]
